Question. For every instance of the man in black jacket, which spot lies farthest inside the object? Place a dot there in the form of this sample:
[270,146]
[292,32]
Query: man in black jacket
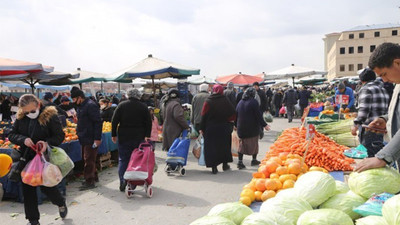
[132,122]
[263,97]
[89,131]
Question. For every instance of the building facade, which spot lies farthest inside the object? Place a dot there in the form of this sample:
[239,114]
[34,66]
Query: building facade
[349,51]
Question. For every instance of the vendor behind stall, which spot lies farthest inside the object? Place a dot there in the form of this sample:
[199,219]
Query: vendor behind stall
[349,96]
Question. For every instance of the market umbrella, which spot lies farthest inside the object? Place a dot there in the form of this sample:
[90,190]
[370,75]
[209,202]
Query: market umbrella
[239,79]
[202,80]
[311,80]
[292,72]
[154,68]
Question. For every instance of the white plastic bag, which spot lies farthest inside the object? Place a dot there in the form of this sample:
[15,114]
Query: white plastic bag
[51,174]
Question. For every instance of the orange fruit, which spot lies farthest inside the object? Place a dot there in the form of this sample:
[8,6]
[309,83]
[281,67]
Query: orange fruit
[283,156]
[250,186]
[271,166]
[258,194]
[258,175]
[304,168]
[264,170]
[278,184]
[260,185]
[290,161]
[276,159]
[294,168]
[271,184]
[245,200]
[282,170]
[267,195]
[316,168]
[274,176]
[285,177]
[288,184]
[248,193]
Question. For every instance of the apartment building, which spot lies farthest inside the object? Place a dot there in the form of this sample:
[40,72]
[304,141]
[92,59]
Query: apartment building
[349,51]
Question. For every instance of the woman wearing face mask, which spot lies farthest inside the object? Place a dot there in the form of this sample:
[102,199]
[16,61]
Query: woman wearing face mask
[36,124]
[106,111]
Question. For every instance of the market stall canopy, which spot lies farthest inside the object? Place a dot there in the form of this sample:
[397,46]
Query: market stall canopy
[89,76]
[261,75]
[15,69]
[238,79]
[37,86]
[202,80]
[154,68]
[312,80]
[292,72]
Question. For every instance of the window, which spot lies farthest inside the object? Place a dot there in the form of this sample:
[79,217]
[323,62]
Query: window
[359,66]
[341,68]
[372,48]
[360,49]
[342,51]
[394,32]
[351,36]
[377,34]
[351,67]
[351,50]
[361,35]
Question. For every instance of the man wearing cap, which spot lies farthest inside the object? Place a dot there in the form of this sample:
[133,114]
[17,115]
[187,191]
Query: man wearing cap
[48,101]
[132,123]
[346,91]
[373,101]
[230,94]
[65,104]
[197,105]
[89,131]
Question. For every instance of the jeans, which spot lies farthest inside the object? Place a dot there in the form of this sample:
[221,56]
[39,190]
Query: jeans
[31,200]
[369,140]
[89,170]
[125,150]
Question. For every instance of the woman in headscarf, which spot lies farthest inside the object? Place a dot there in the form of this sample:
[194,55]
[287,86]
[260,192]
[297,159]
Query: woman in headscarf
[249,119]
[216,125]
[174,119]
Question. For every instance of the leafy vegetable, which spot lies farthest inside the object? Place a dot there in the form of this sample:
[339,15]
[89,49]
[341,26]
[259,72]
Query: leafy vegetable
[375,181]
[346,139]
[288,206]
[315,187]
[325,217]
[234,211]
[391,210]
[345,203]
[290,192]
[212,220]
[341,187]
[342,126]
[371,220]
[266,218]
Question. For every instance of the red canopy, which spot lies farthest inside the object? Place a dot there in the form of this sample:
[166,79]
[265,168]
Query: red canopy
[239,79]
[11,68]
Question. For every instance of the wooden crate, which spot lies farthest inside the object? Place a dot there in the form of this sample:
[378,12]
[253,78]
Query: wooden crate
[104,161]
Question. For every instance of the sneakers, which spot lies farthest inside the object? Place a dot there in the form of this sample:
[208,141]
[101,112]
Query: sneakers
[214,170]
[33,223]
[63,210]
[240,166]
[87,186]
[255,162]
[122,186]
[226,167]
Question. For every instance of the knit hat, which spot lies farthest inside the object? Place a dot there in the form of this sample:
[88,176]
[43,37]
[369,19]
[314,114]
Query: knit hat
[48,96]
[76,92]
[134,93]
[64,99]
[367,75]
[341,86]
[203,87]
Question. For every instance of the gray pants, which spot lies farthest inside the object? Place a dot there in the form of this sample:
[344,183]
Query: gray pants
[290,111]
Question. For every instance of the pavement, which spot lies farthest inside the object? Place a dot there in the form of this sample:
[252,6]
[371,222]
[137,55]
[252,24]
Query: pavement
[176,200]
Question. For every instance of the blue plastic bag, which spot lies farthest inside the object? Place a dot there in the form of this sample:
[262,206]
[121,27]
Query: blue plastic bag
[202,161]
[373,207]
[178,152]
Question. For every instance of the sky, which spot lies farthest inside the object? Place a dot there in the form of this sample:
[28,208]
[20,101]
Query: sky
[220,37]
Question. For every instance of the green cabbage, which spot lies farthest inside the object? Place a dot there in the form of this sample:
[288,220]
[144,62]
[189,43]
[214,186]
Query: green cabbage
[266,218]
[212,220]
[344,202]
[234,211]
[315,187]
[290,207]
[290,192]
[324,217]
[341,187]
[375,181]
[371,220]
[391,210]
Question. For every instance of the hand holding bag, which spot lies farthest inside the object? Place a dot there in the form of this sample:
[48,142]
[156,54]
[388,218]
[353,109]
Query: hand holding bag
[51,174]
[32,173]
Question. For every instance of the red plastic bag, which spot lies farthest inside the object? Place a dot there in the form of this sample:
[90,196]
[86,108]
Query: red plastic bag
[32,173]
[282,110]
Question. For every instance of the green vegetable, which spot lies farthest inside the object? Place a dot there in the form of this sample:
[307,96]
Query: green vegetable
[344,202]
[341,187]
[342,126]
[287,206]
[371,220]
[391,210]
[234,211]
[59,158]
[290,192]
[346,139]
[212,220]
[266,218]
[324,217]
[375,181]
[315,187]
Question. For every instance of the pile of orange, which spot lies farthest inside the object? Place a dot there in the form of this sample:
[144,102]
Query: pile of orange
[7,144]
[70,134]
[274,174]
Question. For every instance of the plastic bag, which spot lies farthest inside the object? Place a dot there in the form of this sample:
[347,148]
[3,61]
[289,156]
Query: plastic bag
[196,149]
[235,143]
[193,132]
[202,160]
[32,173]
[51,174]
[373,207]
[358,152]
[60,158]
[282,110]
[268,117]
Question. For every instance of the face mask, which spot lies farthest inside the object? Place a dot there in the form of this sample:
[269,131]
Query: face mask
[102,106]
[33,115]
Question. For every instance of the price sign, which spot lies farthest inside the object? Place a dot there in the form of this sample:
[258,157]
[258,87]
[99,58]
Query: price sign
[310,131]
[342,99]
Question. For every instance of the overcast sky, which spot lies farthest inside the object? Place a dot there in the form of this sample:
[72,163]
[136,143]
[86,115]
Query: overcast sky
[219,37]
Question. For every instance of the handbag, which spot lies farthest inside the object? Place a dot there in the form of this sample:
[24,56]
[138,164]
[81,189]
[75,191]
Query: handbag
[196,150]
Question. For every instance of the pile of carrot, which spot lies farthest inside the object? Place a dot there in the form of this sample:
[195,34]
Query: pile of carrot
[322,151]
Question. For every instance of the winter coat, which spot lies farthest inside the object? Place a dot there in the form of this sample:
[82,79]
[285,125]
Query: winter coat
[46,127]
[107,114]
[263,100]
[303,97]
[249,119]
[89,122]
[277,99]
[231,95]
[197,106]
[174,122]
[131,120]
[290,97]
[60,111]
